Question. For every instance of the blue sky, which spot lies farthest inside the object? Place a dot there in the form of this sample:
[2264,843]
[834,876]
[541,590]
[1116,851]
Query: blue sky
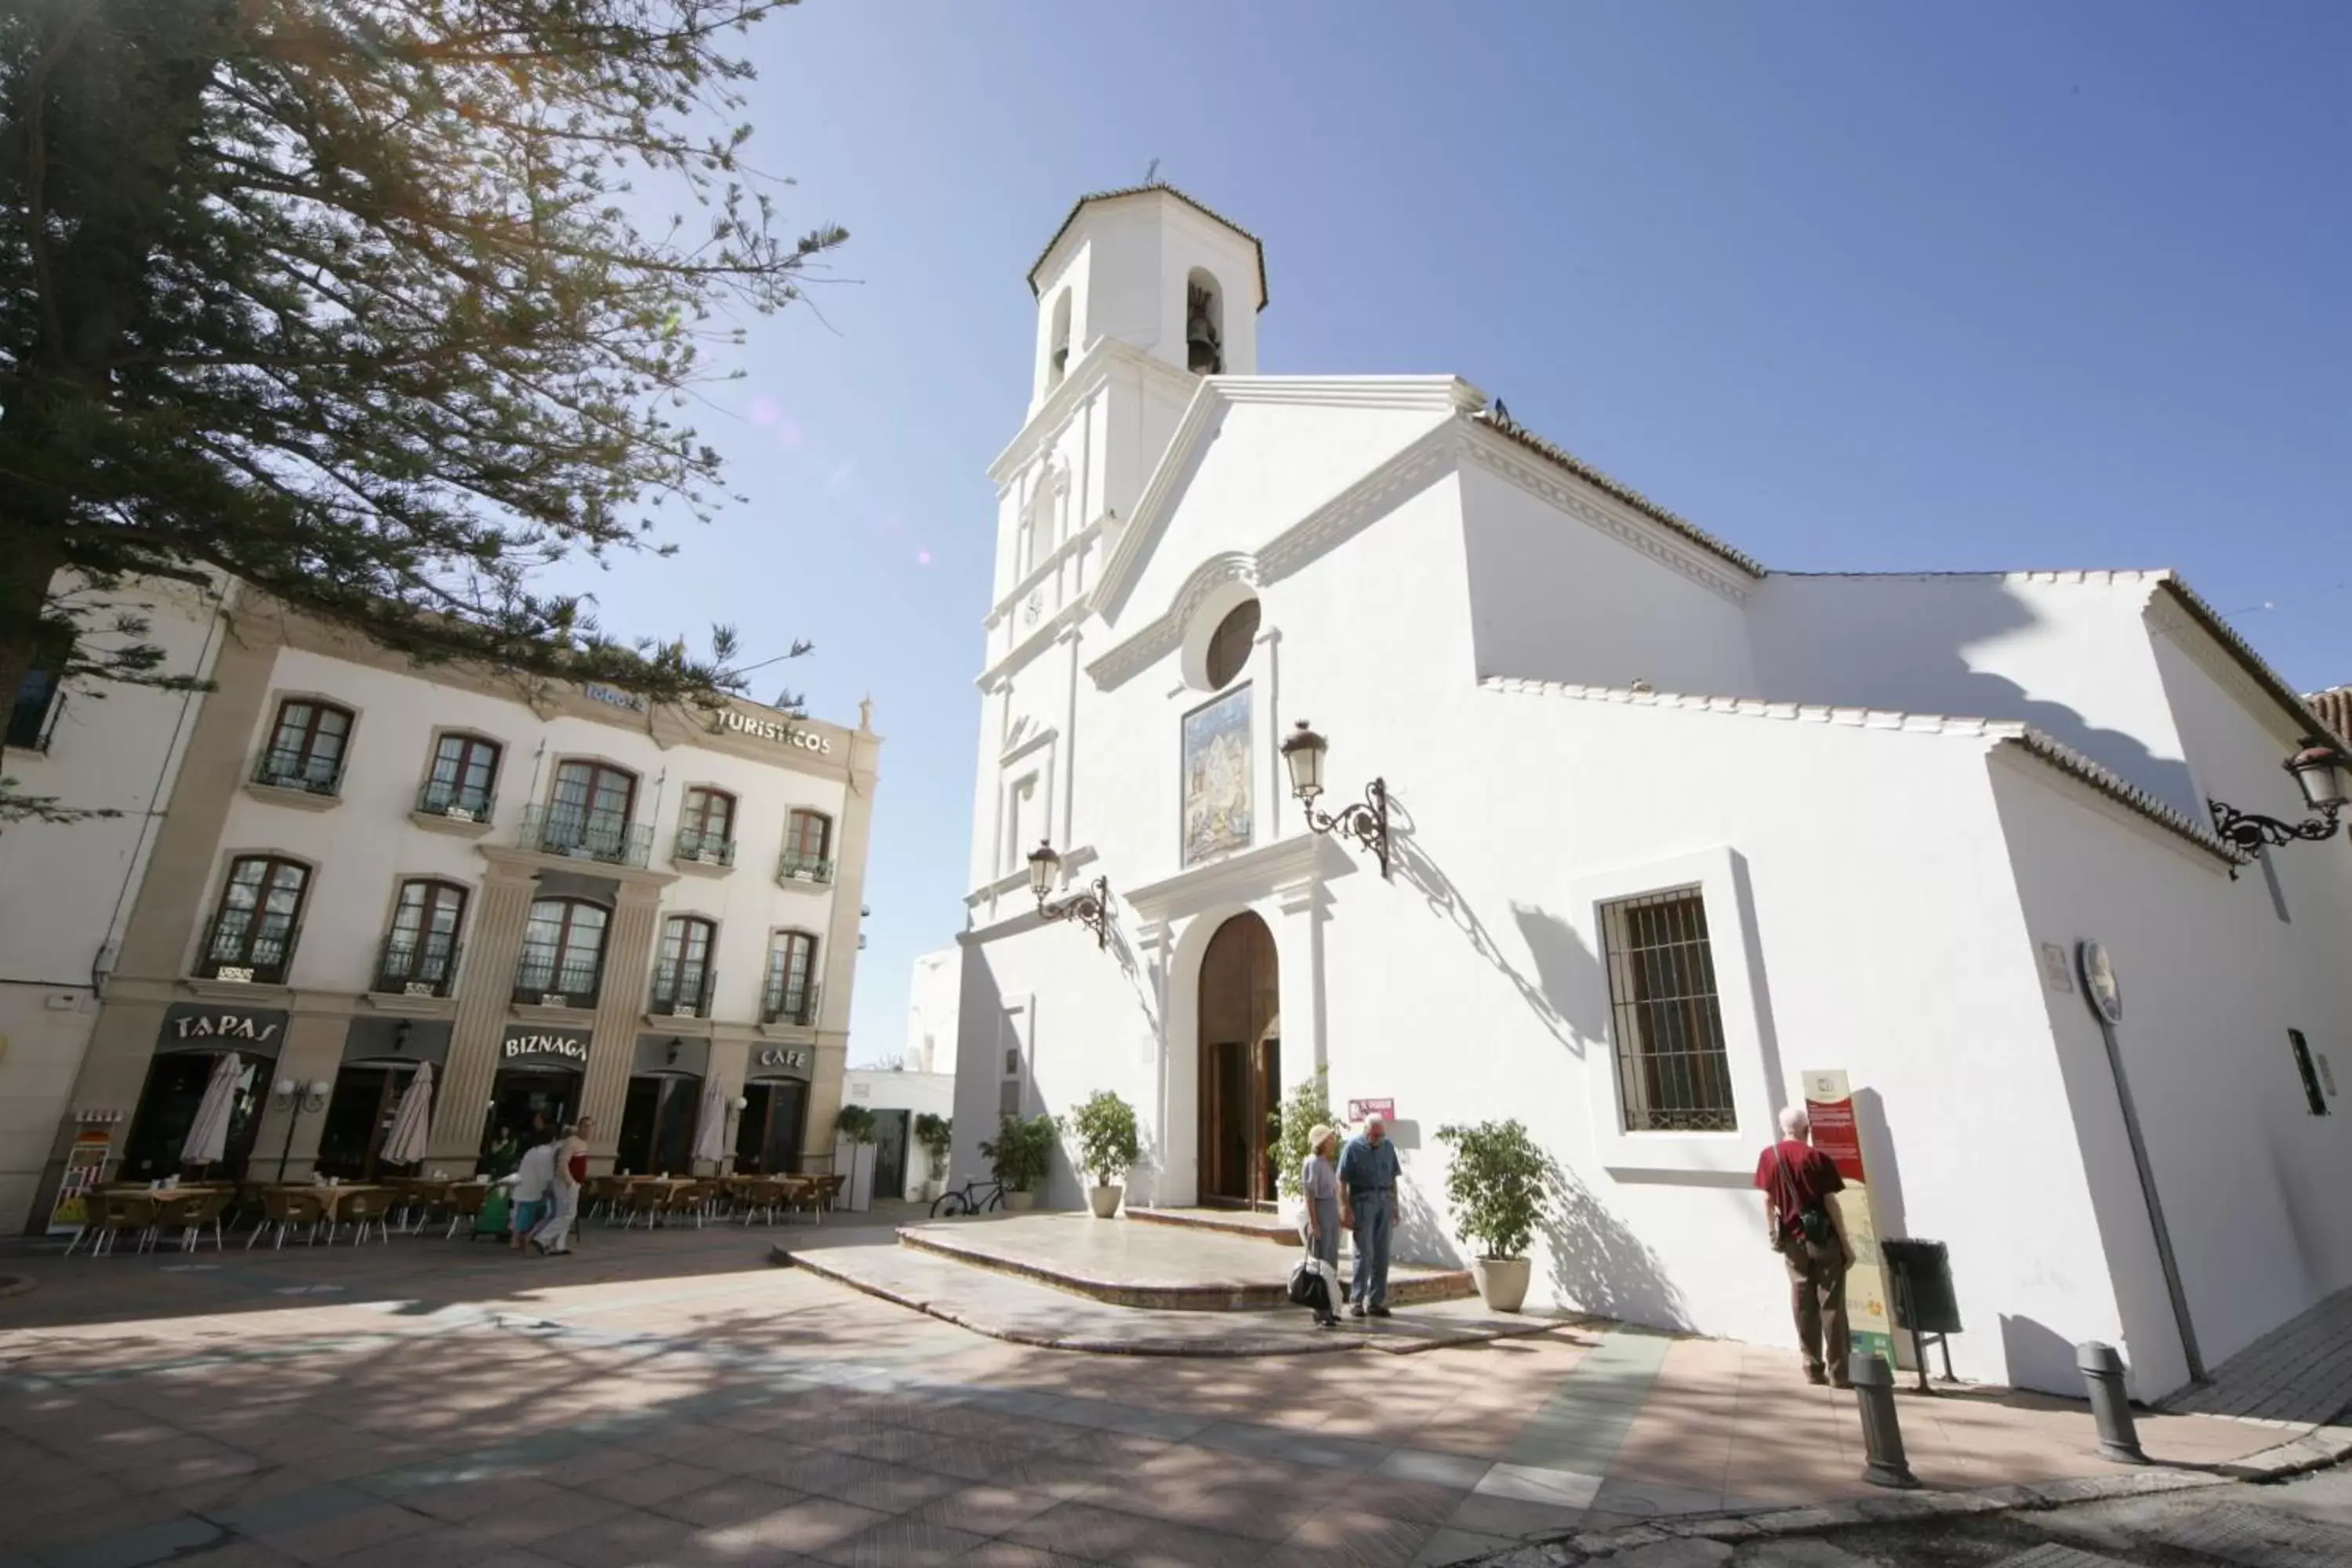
[1855,287]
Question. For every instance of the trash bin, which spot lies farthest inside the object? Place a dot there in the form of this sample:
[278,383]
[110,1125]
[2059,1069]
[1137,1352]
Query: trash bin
[1920,1280]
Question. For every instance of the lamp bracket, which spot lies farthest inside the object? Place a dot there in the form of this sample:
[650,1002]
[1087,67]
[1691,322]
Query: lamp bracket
[1365,821]
[1090,908]
[2247,832]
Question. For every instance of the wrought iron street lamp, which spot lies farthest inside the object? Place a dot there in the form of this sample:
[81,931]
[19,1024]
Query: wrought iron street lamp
[2320,769]
[295,1098]
[1365,821]
[1090,908]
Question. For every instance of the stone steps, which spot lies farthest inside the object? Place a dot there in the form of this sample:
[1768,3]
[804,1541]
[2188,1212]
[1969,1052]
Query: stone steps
[1155,1267]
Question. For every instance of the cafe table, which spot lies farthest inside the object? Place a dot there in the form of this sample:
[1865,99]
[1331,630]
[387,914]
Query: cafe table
[331,1199]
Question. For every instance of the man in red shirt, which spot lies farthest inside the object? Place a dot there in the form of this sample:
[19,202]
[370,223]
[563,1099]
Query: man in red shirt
[1808,1230]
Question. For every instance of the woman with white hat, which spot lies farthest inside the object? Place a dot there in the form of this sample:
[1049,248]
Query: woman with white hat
[1319,1184]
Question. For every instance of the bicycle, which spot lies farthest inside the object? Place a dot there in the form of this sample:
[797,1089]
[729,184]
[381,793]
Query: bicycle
[966,1199]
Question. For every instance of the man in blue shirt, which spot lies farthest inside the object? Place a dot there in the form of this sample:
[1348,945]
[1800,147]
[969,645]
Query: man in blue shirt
[1368,1178]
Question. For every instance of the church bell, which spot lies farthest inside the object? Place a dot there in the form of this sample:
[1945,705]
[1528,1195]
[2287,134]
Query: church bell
[1203,356]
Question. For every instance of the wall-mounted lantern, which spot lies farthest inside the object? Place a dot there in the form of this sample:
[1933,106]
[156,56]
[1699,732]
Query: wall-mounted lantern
[2319,767]
[1367,821]
[1090,908]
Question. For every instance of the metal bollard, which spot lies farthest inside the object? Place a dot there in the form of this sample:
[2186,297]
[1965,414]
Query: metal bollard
[1881,1434]
[2103,1369]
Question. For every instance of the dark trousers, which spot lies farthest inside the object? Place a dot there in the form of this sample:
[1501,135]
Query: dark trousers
[1817,1296]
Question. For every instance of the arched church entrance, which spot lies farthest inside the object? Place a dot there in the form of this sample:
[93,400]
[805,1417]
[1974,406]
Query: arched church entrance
[1241,1064]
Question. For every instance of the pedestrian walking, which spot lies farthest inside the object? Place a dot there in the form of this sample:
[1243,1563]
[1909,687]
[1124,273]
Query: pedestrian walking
[553,1236]
[534,1178]
[1319,1184]
[1368,1179]
[1808,1230]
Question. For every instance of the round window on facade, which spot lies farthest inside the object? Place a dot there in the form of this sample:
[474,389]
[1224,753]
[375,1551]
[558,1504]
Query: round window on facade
[1229,648]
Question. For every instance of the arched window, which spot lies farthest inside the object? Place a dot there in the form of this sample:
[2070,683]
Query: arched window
[306,748]
[706,827]
[589,810]
[465,771]
[251,935]
[1057,342]
[420,954]
[1204,325]
[789,994]
[682,972]
[1229,647]
[808,848]
[562,953]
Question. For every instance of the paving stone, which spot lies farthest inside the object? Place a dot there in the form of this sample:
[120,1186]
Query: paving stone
[2057,1556]
[2260,1537]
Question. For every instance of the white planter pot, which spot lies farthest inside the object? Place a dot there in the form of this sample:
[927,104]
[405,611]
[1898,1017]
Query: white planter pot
[1020,1203]
[1502,1282]
[1104,1200]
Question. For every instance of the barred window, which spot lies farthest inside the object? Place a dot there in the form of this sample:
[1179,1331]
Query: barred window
[1673,1074]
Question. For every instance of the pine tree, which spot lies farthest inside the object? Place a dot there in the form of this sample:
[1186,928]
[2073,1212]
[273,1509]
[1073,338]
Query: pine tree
[346,298]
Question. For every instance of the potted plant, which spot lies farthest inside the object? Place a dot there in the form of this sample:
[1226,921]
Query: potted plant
[1105,1129]
[1495,1185]
[1308,1104]
[937,1135]
[1019,1157]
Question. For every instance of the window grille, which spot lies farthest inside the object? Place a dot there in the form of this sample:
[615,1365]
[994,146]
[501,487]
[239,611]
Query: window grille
[1673,1073]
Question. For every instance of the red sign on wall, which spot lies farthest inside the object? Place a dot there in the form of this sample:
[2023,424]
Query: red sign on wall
[1359,1110]
[1834,1135]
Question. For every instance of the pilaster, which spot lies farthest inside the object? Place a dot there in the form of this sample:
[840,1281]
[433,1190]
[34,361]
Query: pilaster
[313,1054]
[620,1014]
[485,987]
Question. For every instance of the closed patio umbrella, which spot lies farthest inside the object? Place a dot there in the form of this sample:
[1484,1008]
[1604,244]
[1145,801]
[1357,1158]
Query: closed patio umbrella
[710,1125]
[207,1142]
[405,1144]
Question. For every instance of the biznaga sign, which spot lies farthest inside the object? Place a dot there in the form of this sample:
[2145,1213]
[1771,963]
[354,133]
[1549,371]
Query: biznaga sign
[570,1045]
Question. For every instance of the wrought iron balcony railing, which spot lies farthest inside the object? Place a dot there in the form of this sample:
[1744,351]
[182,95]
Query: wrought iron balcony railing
[457,802]
[605,836]
[413,966]
[784,1001]
[794,867]
[703,849]
[292,770]
[247,949]
[684,992]
[543,983]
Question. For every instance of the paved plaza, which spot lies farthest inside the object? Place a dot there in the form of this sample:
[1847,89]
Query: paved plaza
[674,1398]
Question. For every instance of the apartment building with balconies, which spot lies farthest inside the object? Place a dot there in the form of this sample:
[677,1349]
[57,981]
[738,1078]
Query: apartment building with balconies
[565,900]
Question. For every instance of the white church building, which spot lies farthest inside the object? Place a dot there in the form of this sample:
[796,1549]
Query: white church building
[1666,831]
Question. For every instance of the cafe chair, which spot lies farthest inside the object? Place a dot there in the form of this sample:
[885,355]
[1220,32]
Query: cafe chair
[283,1211]
[110,1215]
[361,1211]
[465,1205]
[644,1200]
[192,1216]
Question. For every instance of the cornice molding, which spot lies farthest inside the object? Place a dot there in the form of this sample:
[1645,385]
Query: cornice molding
[1326,528]
[1437,395]
[1081,381]
[1302,860]
[1546,482]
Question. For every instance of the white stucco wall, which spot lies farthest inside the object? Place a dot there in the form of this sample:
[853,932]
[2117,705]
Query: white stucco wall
[2067,652]
[932,995]
[67,888]
[917,1093]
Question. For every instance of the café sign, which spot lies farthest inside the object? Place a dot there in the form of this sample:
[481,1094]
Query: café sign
[196,1028]
[785,1058]
[769,729]
[542,1045]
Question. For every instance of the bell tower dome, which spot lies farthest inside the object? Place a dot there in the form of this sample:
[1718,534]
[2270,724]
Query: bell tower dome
[1159,271]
